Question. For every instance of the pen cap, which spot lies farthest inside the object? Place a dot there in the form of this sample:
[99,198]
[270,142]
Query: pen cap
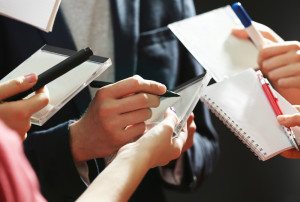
[242,14]
[63,67]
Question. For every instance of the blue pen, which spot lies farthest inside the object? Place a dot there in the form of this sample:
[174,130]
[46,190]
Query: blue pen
[254,34]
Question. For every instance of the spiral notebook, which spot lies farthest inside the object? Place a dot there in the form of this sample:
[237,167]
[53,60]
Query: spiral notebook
[242,106]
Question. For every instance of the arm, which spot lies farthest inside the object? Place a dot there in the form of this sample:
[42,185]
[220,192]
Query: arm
[109,123]
[119,180]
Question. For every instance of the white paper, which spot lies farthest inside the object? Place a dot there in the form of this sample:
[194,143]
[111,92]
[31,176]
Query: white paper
[38,13]
[208,38]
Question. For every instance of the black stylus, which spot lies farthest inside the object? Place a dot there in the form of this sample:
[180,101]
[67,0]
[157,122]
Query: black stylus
[55,72]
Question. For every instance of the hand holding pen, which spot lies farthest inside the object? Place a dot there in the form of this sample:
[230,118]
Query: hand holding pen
[273,100]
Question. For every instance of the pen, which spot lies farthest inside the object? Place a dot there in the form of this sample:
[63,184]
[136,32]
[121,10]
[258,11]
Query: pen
[100,84]
[254,34]
[273,100]
[55,72]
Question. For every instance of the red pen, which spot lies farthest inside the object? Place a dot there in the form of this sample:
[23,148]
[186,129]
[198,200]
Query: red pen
[273,100]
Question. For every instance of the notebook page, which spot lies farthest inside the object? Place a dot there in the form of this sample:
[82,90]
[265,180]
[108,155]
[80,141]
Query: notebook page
[241,97]
[190,93]
[208,37]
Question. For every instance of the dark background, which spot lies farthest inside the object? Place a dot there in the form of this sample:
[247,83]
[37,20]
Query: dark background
[239,175]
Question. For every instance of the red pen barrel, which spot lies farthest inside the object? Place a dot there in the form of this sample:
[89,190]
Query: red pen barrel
[272,100]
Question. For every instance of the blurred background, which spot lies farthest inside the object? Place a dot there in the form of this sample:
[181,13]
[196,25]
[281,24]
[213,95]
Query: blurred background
[239,175]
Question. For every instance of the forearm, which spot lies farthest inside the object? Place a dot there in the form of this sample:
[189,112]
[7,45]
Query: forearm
[119,180]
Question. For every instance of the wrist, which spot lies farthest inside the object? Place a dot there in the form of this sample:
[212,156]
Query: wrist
[75,135]
[133,152]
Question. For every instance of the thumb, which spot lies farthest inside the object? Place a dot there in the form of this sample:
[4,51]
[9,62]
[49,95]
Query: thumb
[239,33]
[17,85]
[289,120]
[170,117]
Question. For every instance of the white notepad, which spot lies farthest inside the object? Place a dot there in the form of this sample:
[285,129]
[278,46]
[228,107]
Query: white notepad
[190,93]
[64,88]
[208,38]
[38,13]
[244,108]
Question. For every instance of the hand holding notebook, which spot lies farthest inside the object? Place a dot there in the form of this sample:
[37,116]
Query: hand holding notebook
[238,98]
[243,107]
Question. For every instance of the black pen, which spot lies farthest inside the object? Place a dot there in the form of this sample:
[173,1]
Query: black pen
[55,72]
[100,84]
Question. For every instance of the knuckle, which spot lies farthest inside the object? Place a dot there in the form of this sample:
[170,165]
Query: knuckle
[102,93]
[295,45]
[156,101]
[18,83]
[143,99]
[169,129]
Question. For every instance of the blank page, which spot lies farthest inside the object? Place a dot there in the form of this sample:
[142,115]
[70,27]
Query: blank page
[39,13]
[208,37]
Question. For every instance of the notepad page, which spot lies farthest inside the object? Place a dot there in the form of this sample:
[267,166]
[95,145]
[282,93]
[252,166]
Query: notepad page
[62,89]
[190,93]
[39,13]
[208,38]
[246,107]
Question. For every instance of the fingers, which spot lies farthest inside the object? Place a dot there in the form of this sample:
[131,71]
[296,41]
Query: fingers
[17,85]
[290,70]
[289,82]
[132,132]
[297,107]
[279,49]
[289,120]
[135,117]
[136,84]
[170,119]
[240,33]
[291,154]
[37,101]
[138,101]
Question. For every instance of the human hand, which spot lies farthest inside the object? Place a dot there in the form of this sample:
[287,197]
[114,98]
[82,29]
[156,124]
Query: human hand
[191,128]
[290,121]
[157,147]
[268,34]
[115,117]
[280,62]
[17,114]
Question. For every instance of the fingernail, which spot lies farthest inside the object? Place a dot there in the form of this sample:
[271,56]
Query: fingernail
[173,109]
[30,78]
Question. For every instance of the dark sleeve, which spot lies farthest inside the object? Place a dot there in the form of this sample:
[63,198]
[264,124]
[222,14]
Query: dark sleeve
[50,156]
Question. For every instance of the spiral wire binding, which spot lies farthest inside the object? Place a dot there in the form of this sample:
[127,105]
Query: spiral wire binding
[234,127]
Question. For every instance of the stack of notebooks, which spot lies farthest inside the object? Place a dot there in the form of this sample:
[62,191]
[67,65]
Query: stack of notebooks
[237,98]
